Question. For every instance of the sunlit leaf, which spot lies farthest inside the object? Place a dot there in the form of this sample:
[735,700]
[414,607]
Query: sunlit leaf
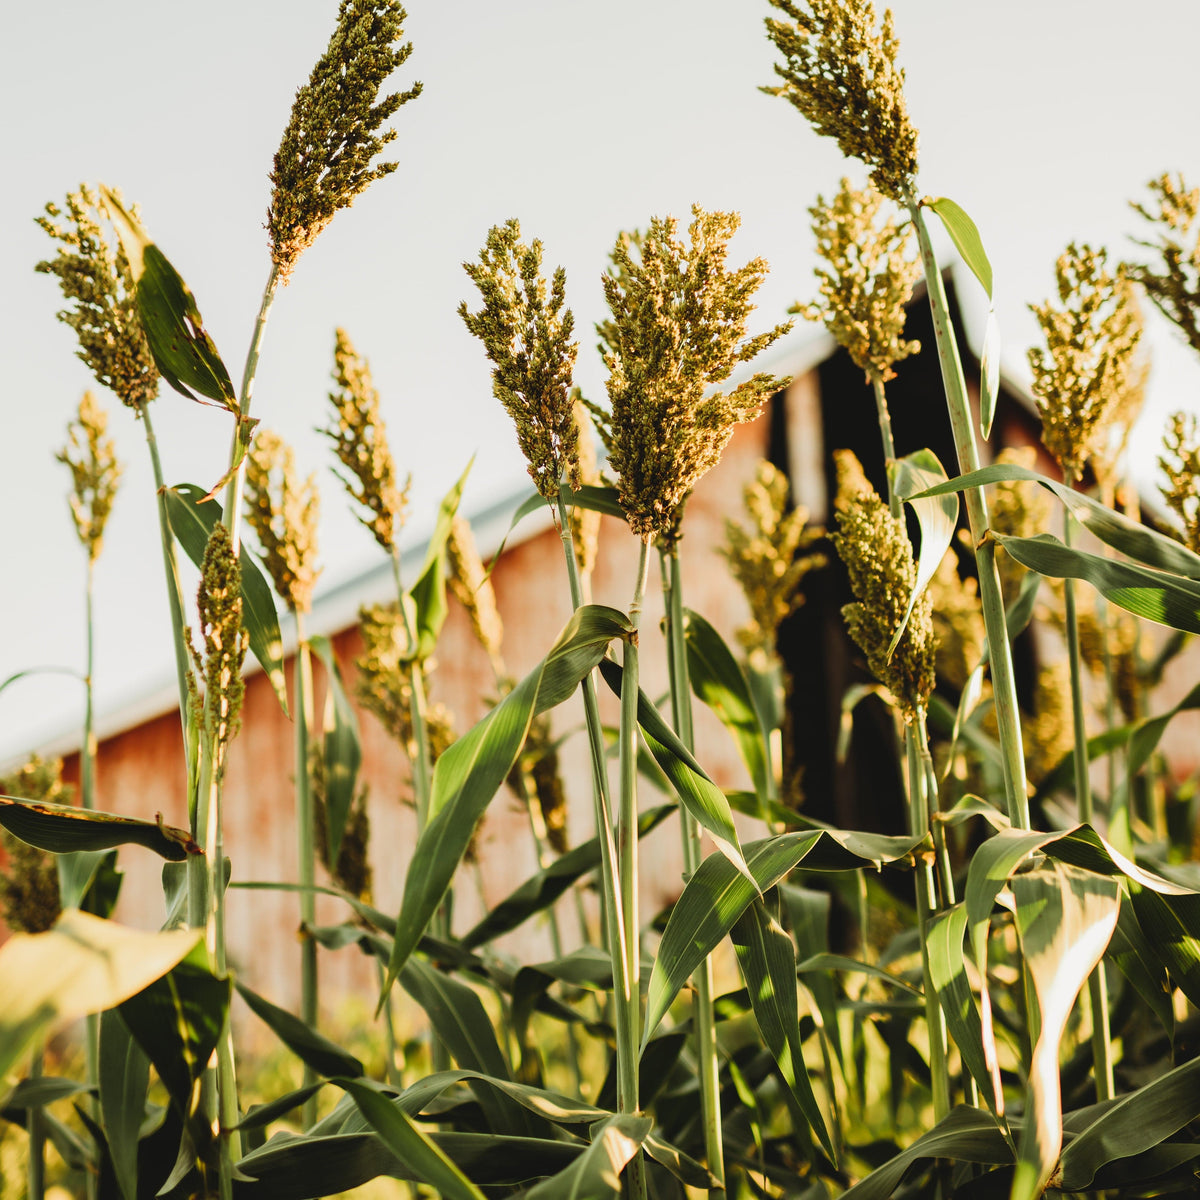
[989,369]
[1065,918]
[82,965]
[965,236]
[192,523]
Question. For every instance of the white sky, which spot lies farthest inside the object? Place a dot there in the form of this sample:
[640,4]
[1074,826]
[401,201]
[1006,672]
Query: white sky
[1041,119]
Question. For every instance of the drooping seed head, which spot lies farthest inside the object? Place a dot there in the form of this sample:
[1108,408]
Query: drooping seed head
[359,439]
[94,277]
[677,326]
[879,560]
[95,472]
[283,514]
[324,160]
[840,72]
[472,586]
[865,279]
[1180,463]
[352,871]
[219,605]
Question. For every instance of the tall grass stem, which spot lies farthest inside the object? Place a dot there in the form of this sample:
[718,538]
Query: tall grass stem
[305,850]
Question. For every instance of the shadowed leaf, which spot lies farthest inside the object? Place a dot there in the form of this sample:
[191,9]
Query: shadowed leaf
[64,829]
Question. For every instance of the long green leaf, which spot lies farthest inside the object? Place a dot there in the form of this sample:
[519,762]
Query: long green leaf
[718,680]
[936,518]
[64,829]
[596,1173]
[1065,918]
[82,965]
[409,1144]
[598,499]
[541,890]
[948,973]
[1134,1124]
[696,791]
[1131,538]
[470,773]
[184,353]
[429,592]
[965,1135]
[965,236]
[989,370]
[1171,925]
[1144,969]
[192,524]
[124,1076]
[314,1050]
[342,749]
[177,1020]
[768,962]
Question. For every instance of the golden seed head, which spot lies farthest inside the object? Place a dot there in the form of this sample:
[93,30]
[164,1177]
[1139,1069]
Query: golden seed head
[29,895]
[324,159]
[96,283]
[95,472]
[1180,463]
[1049,736]
[539,759]
[219,605]
[768,558]
[1172,281]
[678,325]
[359,439]
[865,279]
[1089,360]
[527,334]
[283,514]
[841,73]
[472,586]
[879,560]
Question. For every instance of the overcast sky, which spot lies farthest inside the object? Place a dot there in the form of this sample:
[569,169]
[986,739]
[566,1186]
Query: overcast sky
[1041,119]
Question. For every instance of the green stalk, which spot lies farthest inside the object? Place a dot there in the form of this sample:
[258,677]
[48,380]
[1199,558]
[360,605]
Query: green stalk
[918,815]
[889,447]
[707,1062]
[35,1177]
[306,852]
[237,479]
[1003,681]
[1102,1066]
[629,1004]
[612,922]
[178,625]
[87,798]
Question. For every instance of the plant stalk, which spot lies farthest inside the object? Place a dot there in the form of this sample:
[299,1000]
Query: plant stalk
[708,1065]
[629,1003]
[35,1177]
[1102,1066]
[895,505]
[305,851]
[1003,680]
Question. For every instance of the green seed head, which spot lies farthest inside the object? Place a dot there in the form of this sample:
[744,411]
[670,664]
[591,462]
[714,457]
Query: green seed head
[283,514]
[96,283]
[1172,280]
[95,472]
[473,587]
[841,73]
[324,160]
[874,546]
[29,895]
[527,333]
[359,439]
[865,279]
[769,557]
[1089,362]
[219,604]
[677,326]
